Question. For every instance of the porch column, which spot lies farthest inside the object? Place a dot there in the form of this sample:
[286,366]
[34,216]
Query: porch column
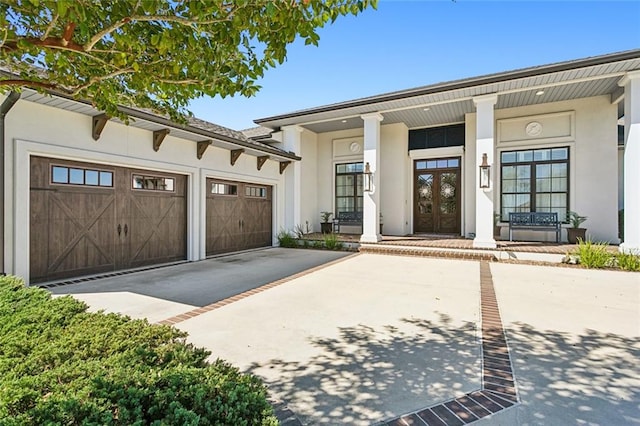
[371,200]
[292,141]
[631,84]
[485,144]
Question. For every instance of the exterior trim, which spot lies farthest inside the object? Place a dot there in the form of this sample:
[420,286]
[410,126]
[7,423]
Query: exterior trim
[463,84]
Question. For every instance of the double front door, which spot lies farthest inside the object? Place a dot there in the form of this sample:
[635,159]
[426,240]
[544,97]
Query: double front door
[94,218]
[437,196]
[238,216]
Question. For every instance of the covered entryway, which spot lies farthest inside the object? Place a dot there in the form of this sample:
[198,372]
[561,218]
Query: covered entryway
[437,196]
[94,218]
[239,216]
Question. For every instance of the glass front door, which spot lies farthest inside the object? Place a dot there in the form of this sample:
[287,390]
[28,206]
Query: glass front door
[437,196]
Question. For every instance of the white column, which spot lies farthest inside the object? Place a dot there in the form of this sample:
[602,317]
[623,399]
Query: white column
[371,200]
[292,141]
[631,84]
[485,144]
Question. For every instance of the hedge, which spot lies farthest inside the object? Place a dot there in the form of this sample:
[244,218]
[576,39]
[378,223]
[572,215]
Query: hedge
[60,364]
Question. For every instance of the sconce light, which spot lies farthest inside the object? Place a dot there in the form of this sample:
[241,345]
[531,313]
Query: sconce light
[485,172]
[367,176]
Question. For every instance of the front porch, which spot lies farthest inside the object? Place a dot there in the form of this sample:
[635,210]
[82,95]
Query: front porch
[455,246]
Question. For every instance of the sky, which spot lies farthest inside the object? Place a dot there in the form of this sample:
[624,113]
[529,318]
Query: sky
[407,44]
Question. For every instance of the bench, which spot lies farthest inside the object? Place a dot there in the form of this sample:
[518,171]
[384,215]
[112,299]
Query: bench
[535,221]
[347,219]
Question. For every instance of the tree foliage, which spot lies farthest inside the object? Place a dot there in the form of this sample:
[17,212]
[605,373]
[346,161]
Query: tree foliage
[156,54]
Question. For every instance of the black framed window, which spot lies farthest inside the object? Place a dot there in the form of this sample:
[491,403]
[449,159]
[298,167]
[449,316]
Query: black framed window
[349,187]
[152,183]
[63,175]
[535,180]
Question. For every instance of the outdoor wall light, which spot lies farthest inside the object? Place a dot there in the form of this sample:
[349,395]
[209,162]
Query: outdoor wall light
[485,172]
[367,178]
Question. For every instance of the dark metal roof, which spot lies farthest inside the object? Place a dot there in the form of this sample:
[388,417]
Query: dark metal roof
[462,84]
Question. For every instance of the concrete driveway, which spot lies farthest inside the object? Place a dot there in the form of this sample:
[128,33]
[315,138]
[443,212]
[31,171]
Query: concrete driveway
[162,293]
[371,337]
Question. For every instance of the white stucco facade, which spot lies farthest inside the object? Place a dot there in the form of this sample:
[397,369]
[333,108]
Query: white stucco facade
[588,127]
[32,129]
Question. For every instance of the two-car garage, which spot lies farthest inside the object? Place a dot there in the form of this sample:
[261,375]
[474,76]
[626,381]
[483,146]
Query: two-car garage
[93,218]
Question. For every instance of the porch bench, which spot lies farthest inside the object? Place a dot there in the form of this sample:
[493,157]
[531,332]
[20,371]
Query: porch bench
[534,221]
[347,219]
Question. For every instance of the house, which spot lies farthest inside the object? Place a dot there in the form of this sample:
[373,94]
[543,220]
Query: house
[86,194]
[549,135]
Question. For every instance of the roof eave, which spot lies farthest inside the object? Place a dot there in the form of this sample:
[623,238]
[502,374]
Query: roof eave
[460,84]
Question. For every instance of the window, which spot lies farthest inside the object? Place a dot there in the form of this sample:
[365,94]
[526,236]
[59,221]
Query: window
[255,191]
[224,189]
[62,175]
[535,180]
[349,188]
[445,163]
[152,183]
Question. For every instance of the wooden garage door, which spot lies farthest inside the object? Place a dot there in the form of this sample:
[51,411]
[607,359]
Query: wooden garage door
[88,218]
[238,216]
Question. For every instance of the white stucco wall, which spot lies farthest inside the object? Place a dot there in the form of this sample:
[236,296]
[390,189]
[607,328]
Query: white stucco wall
[395,194]
[620,178]
[394,169]
[593,166]
[326,170]
[34,129]
[309,177]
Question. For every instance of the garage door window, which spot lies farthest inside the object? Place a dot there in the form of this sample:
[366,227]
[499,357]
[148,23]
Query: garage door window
[255,191]
[153,183]
[61,175]
[224,189]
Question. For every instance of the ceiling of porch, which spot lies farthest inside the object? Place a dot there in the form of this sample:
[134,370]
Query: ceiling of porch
[447,103]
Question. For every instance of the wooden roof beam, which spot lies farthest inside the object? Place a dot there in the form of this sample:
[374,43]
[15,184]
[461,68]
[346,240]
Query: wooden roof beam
[158,138]
[283,165]
[97,125]
[235,154]
[261,160]
[202,147]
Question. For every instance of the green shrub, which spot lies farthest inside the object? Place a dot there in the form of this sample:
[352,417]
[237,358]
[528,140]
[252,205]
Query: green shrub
[60,364]
[594,255]
[331,242]
[628,261]
[286,239]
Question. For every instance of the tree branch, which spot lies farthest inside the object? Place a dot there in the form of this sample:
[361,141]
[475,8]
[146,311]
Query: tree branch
[94,80]
[52,42]
[68,33]
[50,27]
[28,83]
[147,18]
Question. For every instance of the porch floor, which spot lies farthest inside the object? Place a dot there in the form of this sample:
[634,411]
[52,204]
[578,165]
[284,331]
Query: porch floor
[456,242]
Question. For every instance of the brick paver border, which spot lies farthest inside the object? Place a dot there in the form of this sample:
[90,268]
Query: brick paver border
[498,390]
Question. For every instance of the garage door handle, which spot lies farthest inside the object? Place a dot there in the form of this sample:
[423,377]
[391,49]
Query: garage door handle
[119,228]
[126,229]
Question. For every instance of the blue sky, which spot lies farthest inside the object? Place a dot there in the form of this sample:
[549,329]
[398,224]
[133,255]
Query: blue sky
[407,44]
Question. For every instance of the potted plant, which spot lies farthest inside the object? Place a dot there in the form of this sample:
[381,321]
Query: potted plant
[326,226]
[497,229]
[575,232]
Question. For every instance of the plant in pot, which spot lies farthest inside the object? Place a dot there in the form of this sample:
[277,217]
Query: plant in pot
[575,232]
[326,226]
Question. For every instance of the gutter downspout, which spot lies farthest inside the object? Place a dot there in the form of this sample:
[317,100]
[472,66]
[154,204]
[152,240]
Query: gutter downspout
[8,103]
